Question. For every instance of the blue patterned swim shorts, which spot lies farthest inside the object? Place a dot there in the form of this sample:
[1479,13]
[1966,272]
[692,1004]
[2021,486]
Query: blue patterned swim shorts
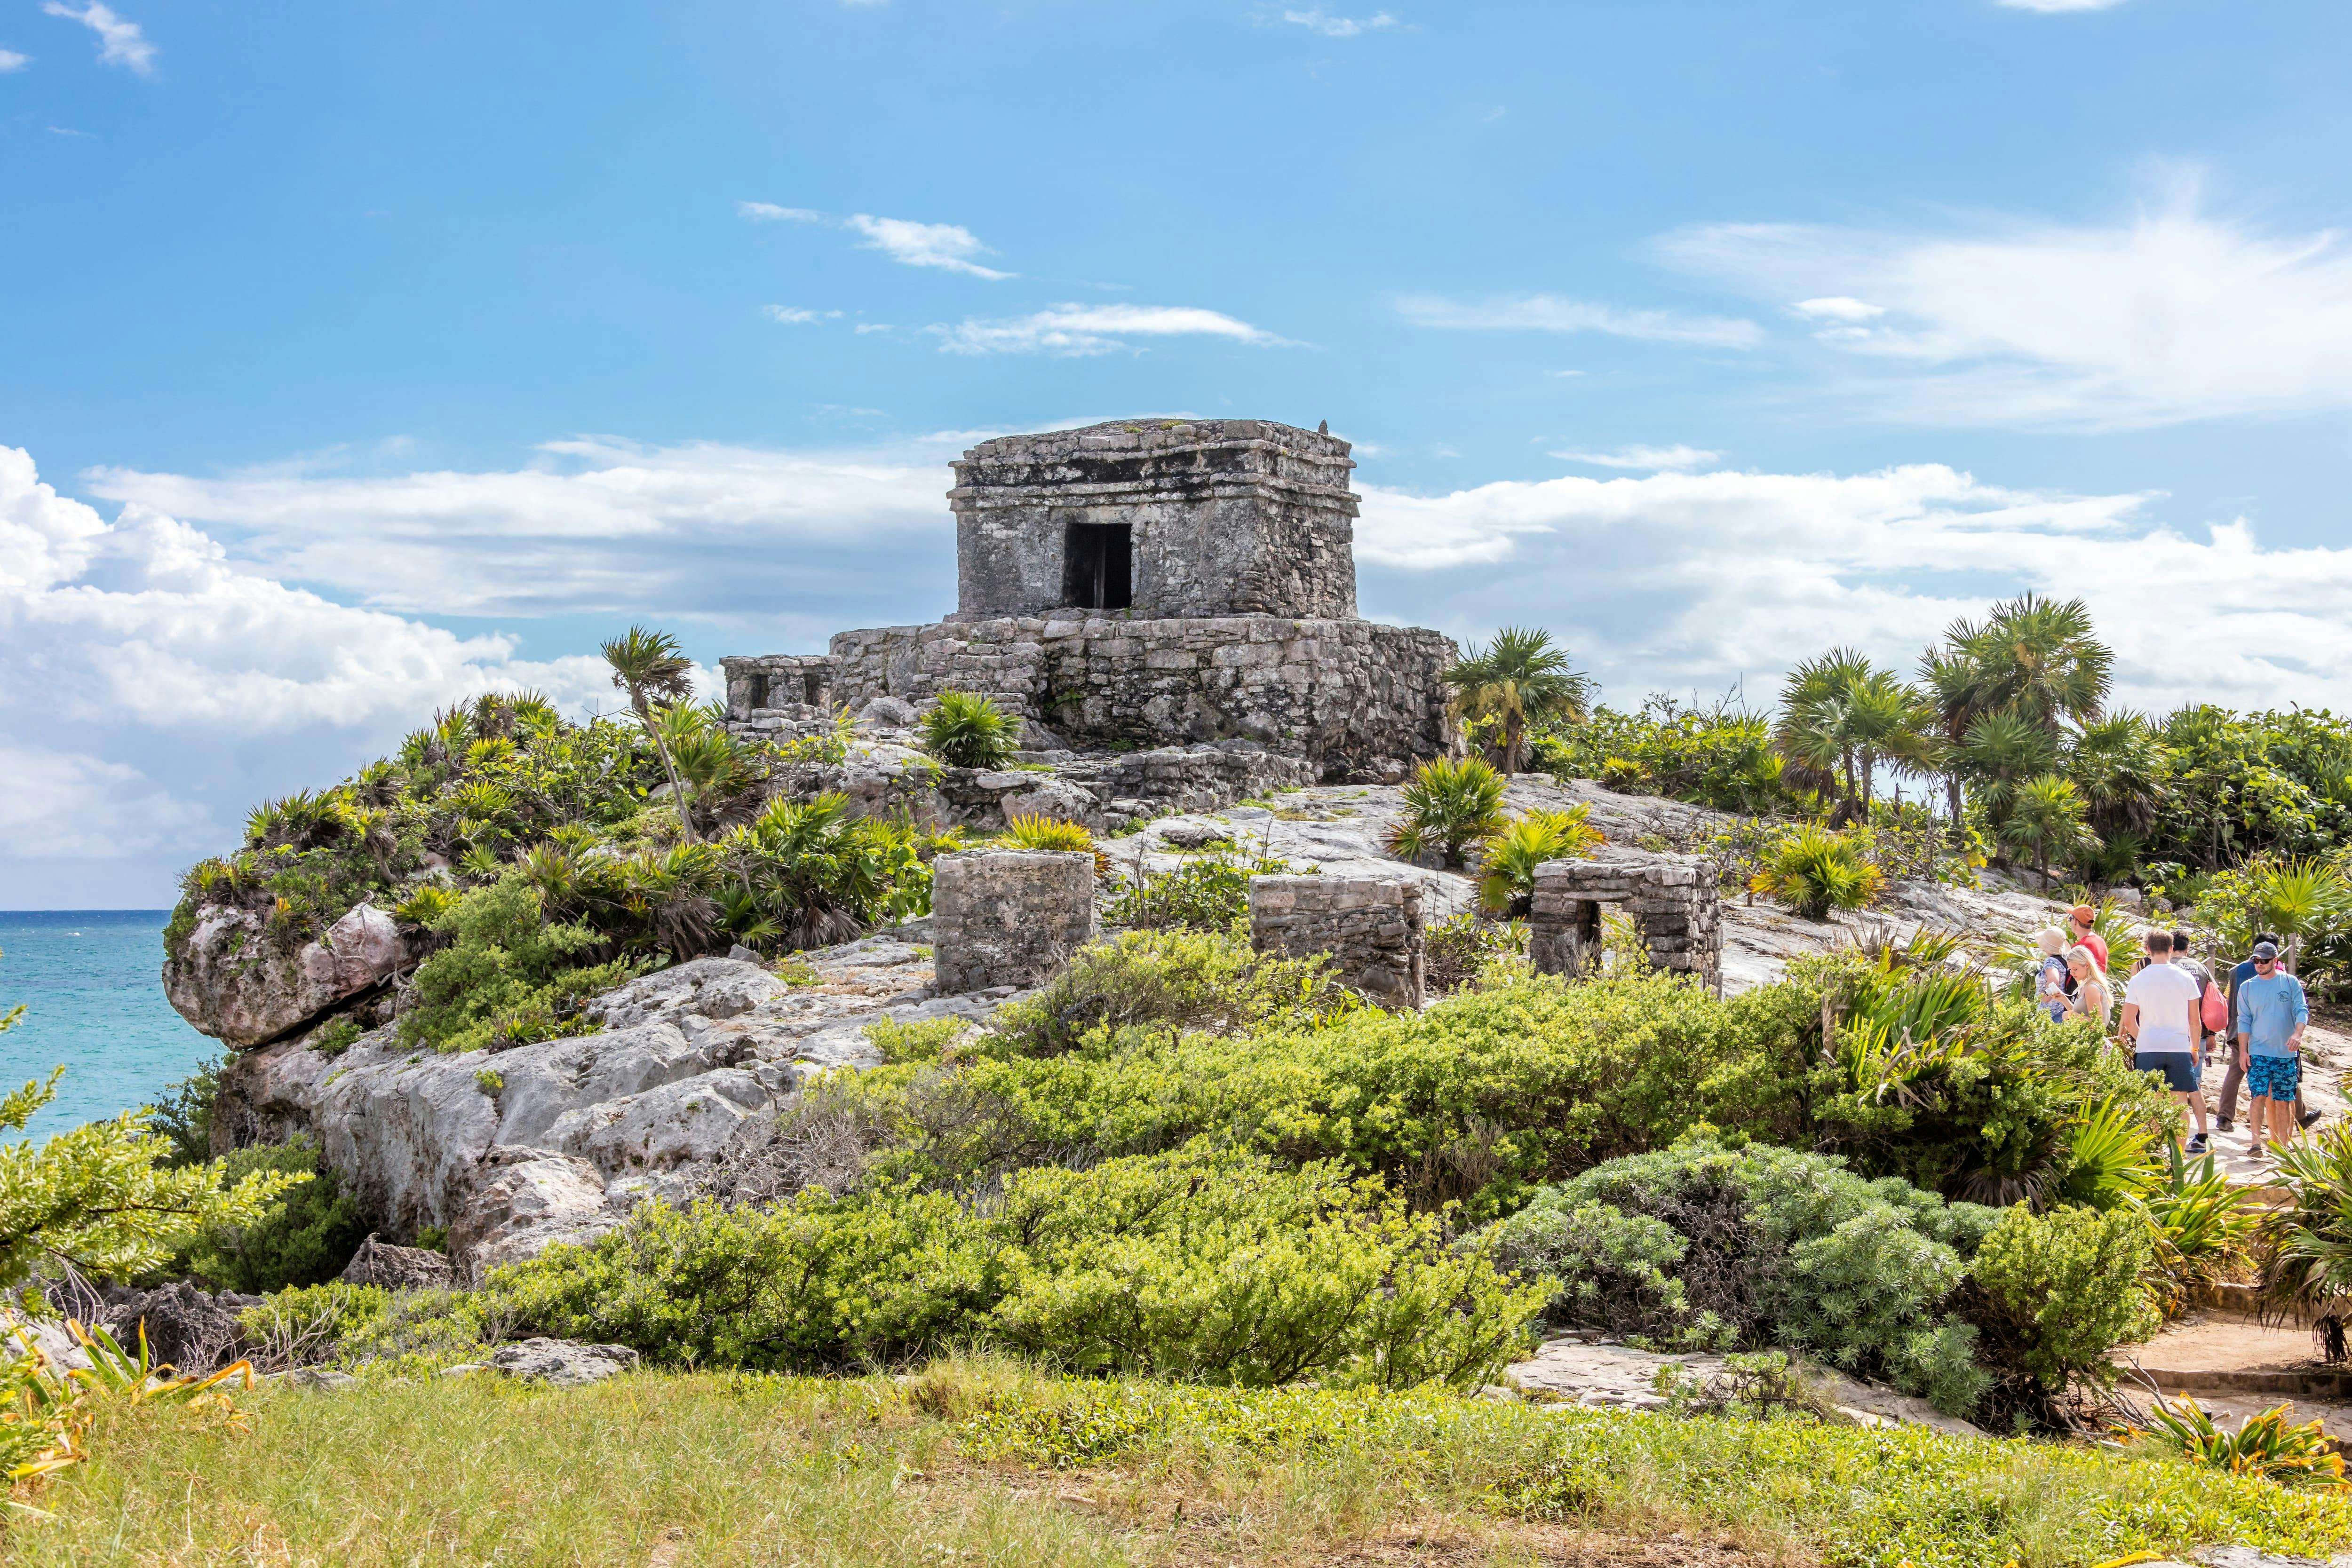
[2274,1077]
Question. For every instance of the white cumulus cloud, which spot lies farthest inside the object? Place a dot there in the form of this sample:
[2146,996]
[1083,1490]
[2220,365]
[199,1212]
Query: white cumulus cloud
[2170,313]
[1073,330]
[120,41]
[1676,458]
[1546,313]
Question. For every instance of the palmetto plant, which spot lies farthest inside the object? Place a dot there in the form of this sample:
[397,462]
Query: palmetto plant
[1841,716]
[2201,1225]
[2033,661]
[1448,807]
[1516,680]
[1998,754]
[2047,819]
[2300,898]
[1815,871]
[1507,874]
[654,671]
[2305,1249]
[964,730]
[2110,1157]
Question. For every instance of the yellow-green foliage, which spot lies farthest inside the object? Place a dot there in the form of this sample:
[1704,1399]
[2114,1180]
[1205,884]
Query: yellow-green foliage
[922,1041]
[1026,831]
[1195,1264]
[2265,1445]
[104,1197]
[2069,1284]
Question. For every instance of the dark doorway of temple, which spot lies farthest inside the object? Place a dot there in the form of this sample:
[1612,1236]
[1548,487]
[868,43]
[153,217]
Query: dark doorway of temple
[1100,570]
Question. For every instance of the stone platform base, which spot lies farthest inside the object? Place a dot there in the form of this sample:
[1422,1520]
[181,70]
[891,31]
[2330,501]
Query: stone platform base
[1358,699]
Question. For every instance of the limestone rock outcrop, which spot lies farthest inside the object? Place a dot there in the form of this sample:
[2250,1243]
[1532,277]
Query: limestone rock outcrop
[513,1150]
[232,983]
[562,1363]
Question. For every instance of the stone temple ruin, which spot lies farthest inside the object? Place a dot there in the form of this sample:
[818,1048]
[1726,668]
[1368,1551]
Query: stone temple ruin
[1149,584]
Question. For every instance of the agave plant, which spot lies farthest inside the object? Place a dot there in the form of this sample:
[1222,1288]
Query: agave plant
[1815,871]
[2302,1456]
[1506,883]
[964,730]
[1448,807]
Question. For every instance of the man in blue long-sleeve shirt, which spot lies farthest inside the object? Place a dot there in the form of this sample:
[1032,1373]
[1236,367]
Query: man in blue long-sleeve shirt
[2272,1013]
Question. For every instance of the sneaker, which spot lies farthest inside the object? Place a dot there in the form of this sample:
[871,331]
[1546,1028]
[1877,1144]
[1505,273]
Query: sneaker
[2224,1124]
[2197,1145]
[2308,1117]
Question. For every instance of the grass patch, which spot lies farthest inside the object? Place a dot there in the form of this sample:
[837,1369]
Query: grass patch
[981,1461]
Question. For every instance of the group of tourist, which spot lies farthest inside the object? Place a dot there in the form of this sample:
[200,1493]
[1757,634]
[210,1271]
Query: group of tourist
[2176,1015]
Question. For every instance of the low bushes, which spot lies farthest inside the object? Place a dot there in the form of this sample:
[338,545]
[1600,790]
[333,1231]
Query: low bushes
[306,1237]
[1698,1246]
[1195,1264]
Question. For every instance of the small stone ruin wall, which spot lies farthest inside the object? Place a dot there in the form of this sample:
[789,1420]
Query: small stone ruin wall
[1371,928]
[1672,901]
[1008,917]
[770,693]
[1361,700]
[1232,516]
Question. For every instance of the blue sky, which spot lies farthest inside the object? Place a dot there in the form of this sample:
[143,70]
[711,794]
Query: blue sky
[355,357]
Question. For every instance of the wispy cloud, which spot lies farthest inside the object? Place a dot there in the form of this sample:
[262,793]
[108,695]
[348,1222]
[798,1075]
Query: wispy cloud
[797,316]
[1074,330]
[1671,459]
[121,42]
[1547,313]
[2168,314]
[10,60]
[949,247]
[1333,26]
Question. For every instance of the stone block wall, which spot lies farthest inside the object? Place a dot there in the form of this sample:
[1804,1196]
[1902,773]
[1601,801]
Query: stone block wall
[772,692]
[1008,917]
[1371,928]
[1358,699]
[1672,901]
[1230,517]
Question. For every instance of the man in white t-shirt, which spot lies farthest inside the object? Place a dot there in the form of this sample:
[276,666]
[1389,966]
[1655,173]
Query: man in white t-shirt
[2162,1017]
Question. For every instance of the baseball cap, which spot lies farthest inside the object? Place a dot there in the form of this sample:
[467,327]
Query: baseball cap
[2084,913]
[2265,952]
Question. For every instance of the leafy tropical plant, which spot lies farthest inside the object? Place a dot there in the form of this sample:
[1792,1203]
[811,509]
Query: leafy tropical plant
[2046,819]
[1024,830]
[654,671]
[2300,1456]
[1447,806]
[2201,1223]
[1815,871]
[2304,1250]
[1506,879]
[102,1200]
[965,729]
[1841,716]
[1516,681]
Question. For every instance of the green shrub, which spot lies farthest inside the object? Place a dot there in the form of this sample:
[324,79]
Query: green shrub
[921,1041]
[505,965]
[185,1114]
[1698,1246]
[336,1324]
[1026,831]
[964,729]
[2063,1289]
[1206,890]
[304,1239]
[1459,949]
[338,1036]
[1171,982]
[1192,1264]
[1815,871]
[1447,806]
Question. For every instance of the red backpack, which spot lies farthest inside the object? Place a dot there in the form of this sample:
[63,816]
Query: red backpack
[2217,1009]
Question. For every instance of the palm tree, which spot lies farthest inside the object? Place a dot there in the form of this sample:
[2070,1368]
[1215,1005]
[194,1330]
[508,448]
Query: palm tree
[1515,680]
[2000,752]
[653,669]
[2047,819]
[1841,716]
[2032,658]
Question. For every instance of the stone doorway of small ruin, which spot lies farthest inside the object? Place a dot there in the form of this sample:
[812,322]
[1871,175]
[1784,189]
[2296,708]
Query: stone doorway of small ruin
[1099,572]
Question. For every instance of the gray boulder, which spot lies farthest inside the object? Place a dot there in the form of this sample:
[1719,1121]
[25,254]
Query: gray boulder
[398,1267]
[190,1331]
[233,984]
[562,1363]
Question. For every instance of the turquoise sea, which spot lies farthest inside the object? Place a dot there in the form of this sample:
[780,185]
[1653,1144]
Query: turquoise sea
[92,984]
